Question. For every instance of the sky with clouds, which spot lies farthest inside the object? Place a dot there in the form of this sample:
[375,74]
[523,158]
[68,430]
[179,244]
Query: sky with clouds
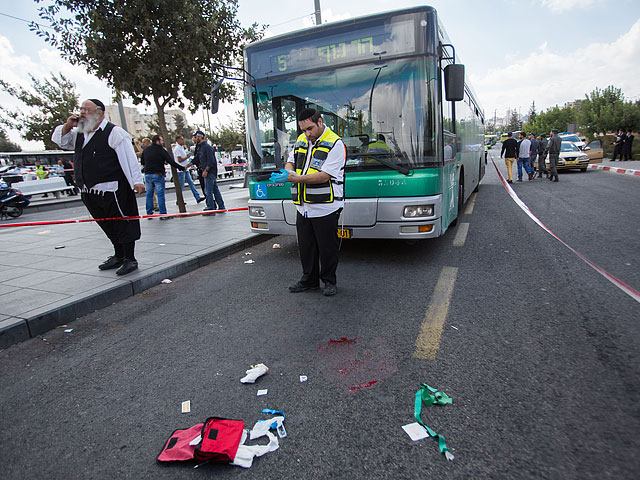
[516,51]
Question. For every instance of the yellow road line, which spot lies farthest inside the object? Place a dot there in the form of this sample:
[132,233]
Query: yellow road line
[428,339]
[470,204]
[461,235]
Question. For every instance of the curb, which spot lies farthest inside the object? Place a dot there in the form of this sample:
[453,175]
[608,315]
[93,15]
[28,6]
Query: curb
[625,171]
[14,329]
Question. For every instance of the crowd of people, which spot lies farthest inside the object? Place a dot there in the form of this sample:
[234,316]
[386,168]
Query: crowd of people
[527,151]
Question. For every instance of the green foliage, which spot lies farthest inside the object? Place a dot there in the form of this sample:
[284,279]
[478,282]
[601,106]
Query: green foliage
[554,117]
[7,145]
[600,112]
[162,50]
[51,102]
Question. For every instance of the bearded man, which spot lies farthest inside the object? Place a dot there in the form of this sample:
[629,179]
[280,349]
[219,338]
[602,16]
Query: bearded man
[108,175]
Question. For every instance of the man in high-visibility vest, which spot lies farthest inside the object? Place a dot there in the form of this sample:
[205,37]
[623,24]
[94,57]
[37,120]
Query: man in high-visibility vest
[42,172]
[315,168]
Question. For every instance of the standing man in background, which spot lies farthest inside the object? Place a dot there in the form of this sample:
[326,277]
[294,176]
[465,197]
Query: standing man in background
[316,169]
[535,145]
[108,175]
[523,156]
[555,143]
[206,156]
[182,158]
[627,146]
[510,151]
[153,159]
[542,155]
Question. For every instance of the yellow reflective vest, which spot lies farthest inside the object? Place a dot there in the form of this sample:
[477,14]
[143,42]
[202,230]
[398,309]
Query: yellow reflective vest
[41,173]
[320,192]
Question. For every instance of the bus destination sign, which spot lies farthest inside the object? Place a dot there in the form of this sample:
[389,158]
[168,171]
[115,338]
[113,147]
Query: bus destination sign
[395,38]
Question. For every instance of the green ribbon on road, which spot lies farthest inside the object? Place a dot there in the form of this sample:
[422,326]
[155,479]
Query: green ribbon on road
[431,396]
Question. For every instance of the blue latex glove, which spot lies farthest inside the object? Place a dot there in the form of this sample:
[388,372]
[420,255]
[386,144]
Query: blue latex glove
[281,176]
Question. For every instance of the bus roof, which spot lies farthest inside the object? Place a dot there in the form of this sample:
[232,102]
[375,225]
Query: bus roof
[340,23]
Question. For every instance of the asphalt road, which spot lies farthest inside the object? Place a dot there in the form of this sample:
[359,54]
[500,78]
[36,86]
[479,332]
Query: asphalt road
[539,352]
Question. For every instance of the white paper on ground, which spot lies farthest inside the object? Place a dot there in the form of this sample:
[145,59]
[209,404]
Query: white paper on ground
[262,392]
[166,280]
[415,431]
[249,261]
[254,372]
[186,406]
[246,453]
[261,428]
[68,330]
[303,378]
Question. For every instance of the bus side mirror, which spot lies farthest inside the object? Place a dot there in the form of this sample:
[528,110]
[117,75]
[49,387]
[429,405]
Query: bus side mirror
[215,96]
[454,82]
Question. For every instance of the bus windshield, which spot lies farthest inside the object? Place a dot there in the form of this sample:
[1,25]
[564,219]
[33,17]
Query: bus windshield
[384,111]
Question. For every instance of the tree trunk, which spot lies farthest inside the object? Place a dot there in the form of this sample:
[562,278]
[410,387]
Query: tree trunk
[174,172]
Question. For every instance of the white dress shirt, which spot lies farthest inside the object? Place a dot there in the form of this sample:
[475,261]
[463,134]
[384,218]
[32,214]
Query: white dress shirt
[119,140]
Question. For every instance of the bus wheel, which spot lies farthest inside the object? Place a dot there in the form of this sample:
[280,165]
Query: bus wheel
[460,200]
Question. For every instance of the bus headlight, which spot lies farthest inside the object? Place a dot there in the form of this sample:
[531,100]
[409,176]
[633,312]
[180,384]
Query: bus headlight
[413,211]
[257,212]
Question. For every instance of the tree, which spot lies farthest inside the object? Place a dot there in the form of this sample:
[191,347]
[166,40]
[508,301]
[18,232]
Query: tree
[606,110]
[7,145]
[50,103]
[162,52]
[514,121]
[532,112]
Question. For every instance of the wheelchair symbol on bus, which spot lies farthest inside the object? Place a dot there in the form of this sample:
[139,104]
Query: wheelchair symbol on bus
[261,190]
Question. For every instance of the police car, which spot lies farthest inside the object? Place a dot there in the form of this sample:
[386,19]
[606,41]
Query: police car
[573,138]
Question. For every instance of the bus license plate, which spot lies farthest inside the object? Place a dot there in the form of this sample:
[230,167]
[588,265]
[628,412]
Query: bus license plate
[344,233]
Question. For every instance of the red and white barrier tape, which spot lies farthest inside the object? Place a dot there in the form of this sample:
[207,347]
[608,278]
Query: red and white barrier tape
[633,293]
[86,220]
[626,171]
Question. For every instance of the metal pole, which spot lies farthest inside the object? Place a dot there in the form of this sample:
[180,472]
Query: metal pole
[318,13]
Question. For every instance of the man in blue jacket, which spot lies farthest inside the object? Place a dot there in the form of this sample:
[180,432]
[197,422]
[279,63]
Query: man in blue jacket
[205,155]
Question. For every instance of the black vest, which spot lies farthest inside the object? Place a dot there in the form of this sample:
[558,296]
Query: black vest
[97,162]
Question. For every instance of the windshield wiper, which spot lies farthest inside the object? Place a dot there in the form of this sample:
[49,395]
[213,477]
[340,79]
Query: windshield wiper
[388,163]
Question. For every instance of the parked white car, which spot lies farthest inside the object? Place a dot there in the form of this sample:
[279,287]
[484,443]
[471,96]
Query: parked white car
[573,138]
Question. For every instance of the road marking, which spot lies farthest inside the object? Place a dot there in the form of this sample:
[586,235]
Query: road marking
[461,235]
[470,204]
[428,339]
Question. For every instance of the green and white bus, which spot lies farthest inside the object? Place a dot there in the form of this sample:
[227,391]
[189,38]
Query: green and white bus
[381,82]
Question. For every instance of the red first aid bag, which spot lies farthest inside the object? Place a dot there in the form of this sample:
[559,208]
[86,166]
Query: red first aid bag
[177,448]
[220,440]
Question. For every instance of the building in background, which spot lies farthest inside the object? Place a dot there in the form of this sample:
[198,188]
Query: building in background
[138,123]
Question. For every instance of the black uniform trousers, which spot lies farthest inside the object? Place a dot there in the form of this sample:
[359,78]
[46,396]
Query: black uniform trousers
[319,247]
[121,203]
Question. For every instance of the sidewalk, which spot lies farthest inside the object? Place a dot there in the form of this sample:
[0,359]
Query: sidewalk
[49,275]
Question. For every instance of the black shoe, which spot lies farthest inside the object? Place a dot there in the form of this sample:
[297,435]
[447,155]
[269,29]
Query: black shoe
[556,178]
[166,218]
[530,176]
[329,290]
[208,212]
[156,209]
[509,181]
[201,199]
[111,262]
[301,287]
[128,266]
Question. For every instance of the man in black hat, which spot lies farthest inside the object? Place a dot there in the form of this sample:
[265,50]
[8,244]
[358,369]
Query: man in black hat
[108,175]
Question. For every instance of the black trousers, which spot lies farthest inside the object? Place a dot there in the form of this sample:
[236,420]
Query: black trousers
[121,203]
[319,247]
